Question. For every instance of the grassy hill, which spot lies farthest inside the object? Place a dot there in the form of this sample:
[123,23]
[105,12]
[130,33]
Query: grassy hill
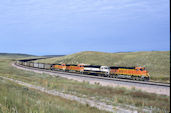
[156,62]
[18,56]
[14,55]
[50,56]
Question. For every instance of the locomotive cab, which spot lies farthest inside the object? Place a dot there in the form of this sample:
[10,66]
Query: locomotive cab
[144,73]
[140,68]
[105,69]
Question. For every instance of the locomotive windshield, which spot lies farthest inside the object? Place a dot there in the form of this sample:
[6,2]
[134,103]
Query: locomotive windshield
[142,69]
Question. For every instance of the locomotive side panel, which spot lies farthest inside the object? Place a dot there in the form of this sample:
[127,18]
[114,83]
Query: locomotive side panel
[59,67]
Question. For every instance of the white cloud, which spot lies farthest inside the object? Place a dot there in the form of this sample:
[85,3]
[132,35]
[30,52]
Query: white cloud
[56,10]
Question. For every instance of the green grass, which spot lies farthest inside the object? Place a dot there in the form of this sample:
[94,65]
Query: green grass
[156,62]
[116,96]
[18,99]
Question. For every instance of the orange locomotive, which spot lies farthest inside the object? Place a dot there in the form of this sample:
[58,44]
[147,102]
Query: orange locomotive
[74,68]
[136,73]
[68,67]
[59,67]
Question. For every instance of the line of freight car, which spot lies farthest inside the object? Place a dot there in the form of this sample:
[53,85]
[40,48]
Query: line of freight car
[42,66]
[37,65]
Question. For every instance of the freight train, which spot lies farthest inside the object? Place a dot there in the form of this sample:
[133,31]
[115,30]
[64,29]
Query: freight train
[135,73]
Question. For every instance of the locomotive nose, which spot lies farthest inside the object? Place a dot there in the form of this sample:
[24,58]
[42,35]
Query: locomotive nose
[148,73]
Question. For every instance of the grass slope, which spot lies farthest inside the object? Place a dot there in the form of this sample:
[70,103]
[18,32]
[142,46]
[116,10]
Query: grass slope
[18,99]
[156,62]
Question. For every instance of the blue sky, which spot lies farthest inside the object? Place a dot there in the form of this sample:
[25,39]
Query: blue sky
[42,27]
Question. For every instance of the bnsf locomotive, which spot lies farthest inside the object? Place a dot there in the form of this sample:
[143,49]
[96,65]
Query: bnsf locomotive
[135,73]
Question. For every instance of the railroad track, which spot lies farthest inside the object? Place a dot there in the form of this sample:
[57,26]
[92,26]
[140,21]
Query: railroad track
[103,78]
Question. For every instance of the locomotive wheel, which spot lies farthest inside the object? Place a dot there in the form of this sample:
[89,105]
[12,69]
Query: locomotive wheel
[115,76]
[139,78]
[145,79]
[134,78]
[98,74]
[106,75]
[86,73]
[111,76]
[101,75]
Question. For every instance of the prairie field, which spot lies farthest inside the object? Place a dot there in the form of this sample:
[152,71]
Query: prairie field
[18,98]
